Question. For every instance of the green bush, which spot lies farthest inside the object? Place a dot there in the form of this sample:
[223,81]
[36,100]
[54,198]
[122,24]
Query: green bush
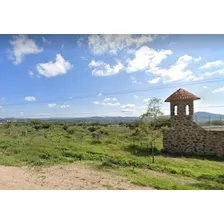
[104,132]
[71,130]
[35,122]
[161,122]
[92,129]
[46,125]
[37,127]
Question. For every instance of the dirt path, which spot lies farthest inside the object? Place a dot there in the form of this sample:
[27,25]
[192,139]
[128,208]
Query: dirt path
[64,177]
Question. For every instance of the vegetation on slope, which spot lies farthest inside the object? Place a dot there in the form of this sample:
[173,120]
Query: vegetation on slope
[117,148]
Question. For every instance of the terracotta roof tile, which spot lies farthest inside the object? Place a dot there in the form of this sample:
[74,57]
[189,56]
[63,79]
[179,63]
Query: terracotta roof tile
[181,94]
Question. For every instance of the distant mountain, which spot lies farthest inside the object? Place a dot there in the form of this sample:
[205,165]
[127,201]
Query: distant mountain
[198,116]
[205,116]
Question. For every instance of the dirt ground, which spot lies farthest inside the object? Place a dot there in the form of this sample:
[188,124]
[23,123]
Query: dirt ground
[64,177]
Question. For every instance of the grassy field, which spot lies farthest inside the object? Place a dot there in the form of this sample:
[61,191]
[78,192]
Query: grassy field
[114,148]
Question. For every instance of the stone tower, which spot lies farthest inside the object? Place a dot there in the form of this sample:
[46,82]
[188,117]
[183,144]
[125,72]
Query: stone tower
[182,105]
[185,136]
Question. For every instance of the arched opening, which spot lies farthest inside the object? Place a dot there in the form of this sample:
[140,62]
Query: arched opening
[175,110]
[187,109]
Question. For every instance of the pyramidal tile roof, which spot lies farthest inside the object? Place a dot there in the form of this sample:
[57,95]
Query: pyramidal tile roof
[182,94]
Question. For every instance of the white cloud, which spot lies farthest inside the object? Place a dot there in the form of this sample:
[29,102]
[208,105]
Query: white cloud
[155,80]
[205,87]
[218,90]
[212,64]
[100,94]
[134,80]
[30,73]
[22,45]
[128,106]
[45,41]
[146,100]
[108,102]
[30,98]
[54,105]
[103,69]
[113,43]
[217,72]
[80,41]
[52,69]
[146,58]
[136,97]
[196,60]
[64,106]
[178,71]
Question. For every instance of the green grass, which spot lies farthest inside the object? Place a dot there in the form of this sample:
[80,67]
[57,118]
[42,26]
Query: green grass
[115,149]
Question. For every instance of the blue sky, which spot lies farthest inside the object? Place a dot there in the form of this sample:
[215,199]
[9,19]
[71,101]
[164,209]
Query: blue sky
[44,73]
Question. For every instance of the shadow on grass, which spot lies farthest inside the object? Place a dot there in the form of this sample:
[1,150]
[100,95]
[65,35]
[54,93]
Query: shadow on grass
[218,178]
[206,186]
[192,156]
[139,150]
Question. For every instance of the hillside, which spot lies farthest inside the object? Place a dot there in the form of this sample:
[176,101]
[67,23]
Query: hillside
[198,116]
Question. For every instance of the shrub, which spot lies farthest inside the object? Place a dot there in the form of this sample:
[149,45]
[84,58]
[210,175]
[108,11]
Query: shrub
[164,129]
[65,127]
[92,129]
[46,125]
[35,122]
[71,130]
[104,132]
[37,127]
[161,122]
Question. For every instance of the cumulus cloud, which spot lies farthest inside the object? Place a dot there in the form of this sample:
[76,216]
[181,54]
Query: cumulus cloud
[103,69]
[218,90]
[178,71]
[212,64]
[155,80]
[23,45]
[146,58]
[108,102]
[54,105]
[53,69]
[216,72]
[30,98]
[112,43]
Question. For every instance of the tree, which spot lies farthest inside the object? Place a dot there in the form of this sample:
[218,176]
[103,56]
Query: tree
[148,122]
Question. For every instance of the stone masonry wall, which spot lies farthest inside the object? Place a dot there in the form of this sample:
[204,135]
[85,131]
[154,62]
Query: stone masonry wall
[186,137]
